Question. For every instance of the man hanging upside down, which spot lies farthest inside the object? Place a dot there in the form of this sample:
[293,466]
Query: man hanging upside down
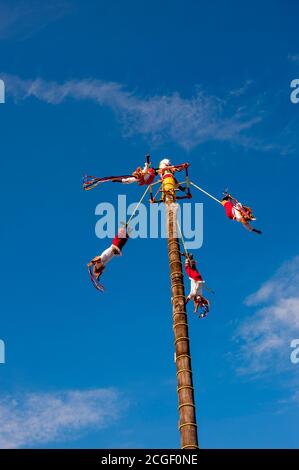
[196,287]
[236,211]
[99,262]
[145,176]
[141,176]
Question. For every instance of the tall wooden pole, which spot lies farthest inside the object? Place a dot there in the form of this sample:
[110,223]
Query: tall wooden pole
[187,421]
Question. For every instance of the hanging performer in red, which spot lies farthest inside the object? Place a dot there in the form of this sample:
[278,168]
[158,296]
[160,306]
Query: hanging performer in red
[98,264]
[141,176]
[196,287]
[236,211]
[145,176]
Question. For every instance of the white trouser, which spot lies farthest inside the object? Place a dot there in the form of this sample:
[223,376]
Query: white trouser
[129,180]
[195,288]
[237,212]
[107,255]
[132,179]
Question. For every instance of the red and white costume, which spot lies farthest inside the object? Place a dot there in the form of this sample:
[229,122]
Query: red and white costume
[115,249]
[142,177]
[228,206]
[120,239]
[195,278]
[235,211]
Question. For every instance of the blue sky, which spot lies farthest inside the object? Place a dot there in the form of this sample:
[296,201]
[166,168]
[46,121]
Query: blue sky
[92,87]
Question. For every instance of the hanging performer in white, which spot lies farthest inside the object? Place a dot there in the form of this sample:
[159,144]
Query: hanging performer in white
[196,287]
[98,264]
[236,211]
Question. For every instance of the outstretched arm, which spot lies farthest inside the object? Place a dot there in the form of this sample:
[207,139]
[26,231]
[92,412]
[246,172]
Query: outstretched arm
[129,180]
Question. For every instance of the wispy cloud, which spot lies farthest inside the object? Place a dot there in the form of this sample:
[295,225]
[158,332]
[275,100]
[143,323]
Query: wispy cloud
[39,418]
[241,90]
[295,398]
[20,19]
[265,336]
[294,58]
[186,121]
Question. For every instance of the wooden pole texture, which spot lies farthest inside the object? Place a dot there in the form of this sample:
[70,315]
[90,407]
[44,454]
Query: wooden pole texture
[187,421]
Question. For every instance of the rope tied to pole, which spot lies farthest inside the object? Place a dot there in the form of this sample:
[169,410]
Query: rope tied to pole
[183,241]
[205,192]
[187,424]
[186,404]
[187,254]
[181,338]
[190,387]
[180,323]
[183,355]
[183,370]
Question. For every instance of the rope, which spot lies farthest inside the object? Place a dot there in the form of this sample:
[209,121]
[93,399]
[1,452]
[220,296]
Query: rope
[175,261]
[183,241]
[181,338]
[183,370]
[185,386]
[180,323]
[182,355]
[186,404]
[157,182]
[175,284]
[137,206]
[208,289]
[187,254]
[176,272]
[158,190]
[172,251]
[187,424]
[205,192]
[190,446]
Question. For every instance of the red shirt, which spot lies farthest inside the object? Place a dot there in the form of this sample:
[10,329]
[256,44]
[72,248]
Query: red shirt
[193,273]
[148,178]
[120,239]
[228,206]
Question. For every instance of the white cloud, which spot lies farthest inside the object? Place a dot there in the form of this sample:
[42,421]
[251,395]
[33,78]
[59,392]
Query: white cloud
[284,283]
[39,418]
[186,121]
[265,336]
[20,18]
